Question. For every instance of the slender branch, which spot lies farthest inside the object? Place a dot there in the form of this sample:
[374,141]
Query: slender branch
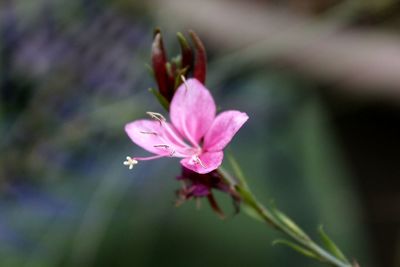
[295,233]
[308,243]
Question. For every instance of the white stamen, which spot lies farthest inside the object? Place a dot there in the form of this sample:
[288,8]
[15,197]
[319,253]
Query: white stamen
[156,116]
[184,81]
[130,162]
[164,124]
[197,160]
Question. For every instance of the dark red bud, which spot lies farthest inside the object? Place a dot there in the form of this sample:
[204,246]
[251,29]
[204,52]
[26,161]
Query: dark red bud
[200,65]
[157,31]
[186,50]
[159,61]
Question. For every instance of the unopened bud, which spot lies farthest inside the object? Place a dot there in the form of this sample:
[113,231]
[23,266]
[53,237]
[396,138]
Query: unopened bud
[159,61]
[200,65]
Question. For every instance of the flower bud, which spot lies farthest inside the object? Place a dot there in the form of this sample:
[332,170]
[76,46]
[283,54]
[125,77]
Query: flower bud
[169,73]
[200,65]
[159,62]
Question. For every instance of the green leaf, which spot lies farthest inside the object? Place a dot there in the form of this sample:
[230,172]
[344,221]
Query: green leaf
[330,245]
[296,247]
[163,101]
[150,70]
[289,223]
[252,213]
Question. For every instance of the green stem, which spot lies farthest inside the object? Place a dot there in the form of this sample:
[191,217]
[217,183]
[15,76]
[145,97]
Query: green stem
[309,244]
[301,239]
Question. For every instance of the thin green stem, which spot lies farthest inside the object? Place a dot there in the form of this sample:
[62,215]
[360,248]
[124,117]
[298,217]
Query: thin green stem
[325,256]
[296,234]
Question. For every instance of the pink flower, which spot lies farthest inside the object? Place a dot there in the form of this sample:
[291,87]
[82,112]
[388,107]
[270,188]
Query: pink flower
[196,134]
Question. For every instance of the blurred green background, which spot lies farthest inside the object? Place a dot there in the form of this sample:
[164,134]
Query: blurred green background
[72,73]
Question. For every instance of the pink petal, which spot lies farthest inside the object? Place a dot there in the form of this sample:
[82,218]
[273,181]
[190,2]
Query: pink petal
[149,134]
[223,129]
[210,161]
[192,110]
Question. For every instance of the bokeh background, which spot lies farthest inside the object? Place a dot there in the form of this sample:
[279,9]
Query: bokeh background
[320,80]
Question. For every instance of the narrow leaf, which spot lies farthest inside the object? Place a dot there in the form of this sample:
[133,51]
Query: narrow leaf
[150,70]
[164,102]
[330,245]
[252,213]
[289,223]
[297,248]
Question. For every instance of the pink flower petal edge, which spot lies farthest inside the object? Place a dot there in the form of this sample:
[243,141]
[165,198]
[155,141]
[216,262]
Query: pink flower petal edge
[192,114]
[223,129]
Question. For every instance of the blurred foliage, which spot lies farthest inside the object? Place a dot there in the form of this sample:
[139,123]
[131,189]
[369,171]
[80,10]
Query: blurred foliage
[72,74]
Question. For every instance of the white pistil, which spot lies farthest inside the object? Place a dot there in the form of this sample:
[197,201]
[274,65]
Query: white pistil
[130,162]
